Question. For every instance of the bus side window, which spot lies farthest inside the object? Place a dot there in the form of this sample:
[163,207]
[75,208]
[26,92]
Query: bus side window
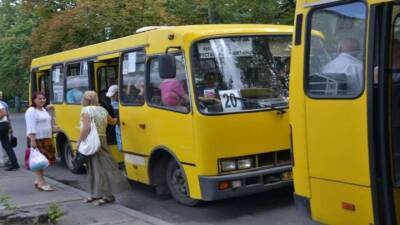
[77,82]
[132,92]
[335,65]
[169,93]
[57,89]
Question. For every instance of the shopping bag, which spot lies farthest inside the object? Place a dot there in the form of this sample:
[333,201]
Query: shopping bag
[37,161]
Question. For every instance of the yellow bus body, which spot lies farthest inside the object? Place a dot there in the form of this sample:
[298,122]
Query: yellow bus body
[196,141]
[334,168]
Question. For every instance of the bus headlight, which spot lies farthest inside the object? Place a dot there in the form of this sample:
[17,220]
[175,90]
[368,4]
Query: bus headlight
[228,165]
[245,163]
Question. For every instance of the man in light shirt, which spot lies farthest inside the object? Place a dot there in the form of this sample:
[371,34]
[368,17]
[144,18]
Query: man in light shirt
[5,139]
[347,63]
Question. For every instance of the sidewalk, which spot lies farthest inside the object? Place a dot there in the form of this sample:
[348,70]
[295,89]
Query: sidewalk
[18,185]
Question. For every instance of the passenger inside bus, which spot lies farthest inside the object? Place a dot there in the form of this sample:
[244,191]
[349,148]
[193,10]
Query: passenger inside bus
[133,91]
[112,94]
[348,64]
[74,95]
[139,85]
[173,94]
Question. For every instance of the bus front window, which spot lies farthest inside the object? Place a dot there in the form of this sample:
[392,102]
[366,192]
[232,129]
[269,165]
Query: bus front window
[236,74]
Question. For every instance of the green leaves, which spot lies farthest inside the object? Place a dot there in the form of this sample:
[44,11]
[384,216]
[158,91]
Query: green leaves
[33,28]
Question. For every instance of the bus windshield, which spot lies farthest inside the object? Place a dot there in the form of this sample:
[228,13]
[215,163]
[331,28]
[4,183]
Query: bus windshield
[236,74]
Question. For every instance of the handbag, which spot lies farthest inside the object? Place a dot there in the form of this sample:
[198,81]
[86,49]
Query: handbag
[37,161]
[91,144]
[80,159]
[13,141]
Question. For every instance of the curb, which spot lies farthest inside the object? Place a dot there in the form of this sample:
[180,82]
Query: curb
[120,208]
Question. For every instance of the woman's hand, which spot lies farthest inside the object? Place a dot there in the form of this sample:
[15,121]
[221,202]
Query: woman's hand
[111,121]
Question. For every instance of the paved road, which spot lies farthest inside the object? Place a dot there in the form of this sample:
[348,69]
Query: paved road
[272,208]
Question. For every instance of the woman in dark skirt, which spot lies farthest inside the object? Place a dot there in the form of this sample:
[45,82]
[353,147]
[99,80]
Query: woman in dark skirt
[103,173]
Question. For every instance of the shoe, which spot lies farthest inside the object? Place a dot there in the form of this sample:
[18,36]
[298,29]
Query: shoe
[90,200]
[5,165]
[46,188]
[11,168]
[104,200]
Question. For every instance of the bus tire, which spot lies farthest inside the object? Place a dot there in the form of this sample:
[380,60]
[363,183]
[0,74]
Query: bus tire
[177,184]
[68,157]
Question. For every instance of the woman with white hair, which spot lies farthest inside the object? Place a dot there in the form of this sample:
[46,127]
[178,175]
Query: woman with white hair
[105,179]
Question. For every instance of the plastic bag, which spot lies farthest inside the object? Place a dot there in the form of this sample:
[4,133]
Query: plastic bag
[37,161]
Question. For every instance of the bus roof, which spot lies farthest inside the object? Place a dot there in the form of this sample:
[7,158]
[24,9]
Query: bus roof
[141,39]
[311,3]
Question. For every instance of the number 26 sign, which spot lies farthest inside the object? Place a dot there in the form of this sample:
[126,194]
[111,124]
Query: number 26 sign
[231,100]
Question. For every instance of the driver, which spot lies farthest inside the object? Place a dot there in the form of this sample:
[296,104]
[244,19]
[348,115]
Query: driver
[209,91]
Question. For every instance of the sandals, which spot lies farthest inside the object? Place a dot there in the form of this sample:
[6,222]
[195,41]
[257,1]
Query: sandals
[104,200]
[46,188]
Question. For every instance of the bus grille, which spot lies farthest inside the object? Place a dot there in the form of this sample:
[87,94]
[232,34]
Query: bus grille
[272,159]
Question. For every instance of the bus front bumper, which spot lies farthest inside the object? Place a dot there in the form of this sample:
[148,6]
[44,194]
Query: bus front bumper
[245,183]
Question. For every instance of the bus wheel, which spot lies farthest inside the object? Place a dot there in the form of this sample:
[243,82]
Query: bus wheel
[68,157]
[177,184]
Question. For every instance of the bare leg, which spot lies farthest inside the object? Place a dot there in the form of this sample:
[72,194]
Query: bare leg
[39,179]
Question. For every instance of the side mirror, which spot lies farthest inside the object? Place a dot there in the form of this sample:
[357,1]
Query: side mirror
[167,66]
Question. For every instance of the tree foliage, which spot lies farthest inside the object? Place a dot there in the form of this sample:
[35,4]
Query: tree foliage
[32,28]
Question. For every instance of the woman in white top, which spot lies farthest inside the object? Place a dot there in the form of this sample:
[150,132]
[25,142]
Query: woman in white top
[39,133]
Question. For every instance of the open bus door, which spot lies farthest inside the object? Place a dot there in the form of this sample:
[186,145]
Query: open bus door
[384,112]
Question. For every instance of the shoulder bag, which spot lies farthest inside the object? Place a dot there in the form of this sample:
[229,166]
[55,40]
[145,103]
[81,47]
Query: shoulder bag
[91,144]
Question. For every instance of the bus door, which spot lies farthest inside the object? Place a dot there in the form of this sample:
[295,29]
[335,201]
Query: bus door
[107,76]
[131,111]
[44,84]
[41,82]
[394,67]
[335,111]
[169,122]
[385,113]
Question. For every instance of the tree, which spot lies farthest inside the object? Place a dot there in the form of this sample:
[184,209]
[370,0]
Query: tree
[32,28]
[93,21]
[254,11]
[188,12]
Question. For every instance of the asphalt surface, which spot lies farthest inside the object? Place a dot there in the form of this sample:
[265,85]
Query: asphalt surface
[272,208]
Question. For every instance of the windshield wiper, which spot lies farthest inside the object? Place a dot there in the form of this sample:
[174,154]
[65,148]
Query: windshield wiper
[281,109]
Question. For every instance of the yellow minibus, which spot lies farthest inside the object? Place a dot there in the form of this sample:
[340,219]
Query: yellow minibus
[344,111]
[202,109]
